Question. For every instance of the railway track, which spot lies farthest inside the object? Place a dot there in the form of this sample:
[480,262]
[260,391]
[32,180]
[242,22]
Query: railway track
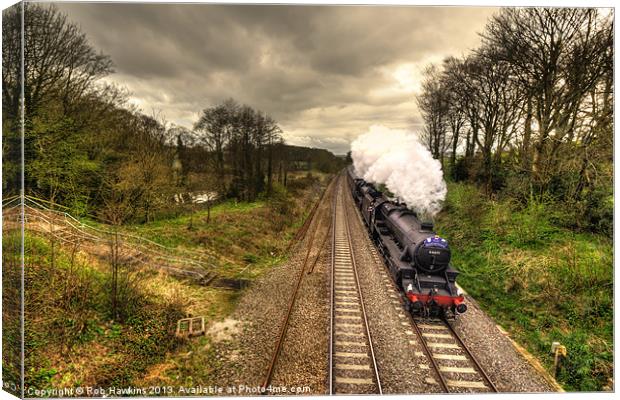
[444,354]
[303,230]
[451,364]
[311,221]
[352,363]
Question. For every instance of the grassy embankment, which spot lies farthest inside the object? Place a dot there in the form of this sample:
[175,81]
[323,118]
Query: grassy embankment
[541,282]
[71,338]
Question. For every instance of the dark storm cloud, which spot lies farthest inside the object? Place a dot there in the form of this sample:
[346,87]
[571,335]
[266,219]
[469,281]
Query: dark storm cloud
[326,73]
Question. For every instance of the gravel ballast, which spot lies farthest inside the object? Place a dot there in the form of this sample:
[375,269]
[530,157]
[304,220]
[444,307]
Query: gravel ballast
[508,369]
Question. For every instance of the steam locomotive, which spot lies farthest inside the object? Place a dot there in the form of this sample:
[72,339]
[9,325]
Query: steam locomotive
[417,258]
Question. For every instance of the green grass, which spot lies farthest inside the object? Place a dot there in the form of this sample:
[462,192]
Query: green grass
[11,315]
[541,282]
[241,236]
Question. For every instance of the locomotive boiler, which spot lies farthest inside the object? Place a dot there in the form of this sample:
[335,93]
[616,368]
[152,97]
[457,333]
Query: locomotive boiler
[417,258]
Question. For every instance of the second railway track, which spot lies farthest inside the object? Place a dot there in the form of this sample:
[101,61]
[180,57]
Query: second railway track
[352,363]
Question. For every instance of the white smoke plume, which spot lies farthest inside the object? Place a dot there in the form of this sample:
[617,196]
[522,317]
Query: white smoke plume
[397,159]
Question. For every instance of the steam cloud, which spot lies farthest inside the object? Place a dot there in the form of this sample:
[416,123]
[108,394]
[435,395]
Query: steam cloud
[397,159]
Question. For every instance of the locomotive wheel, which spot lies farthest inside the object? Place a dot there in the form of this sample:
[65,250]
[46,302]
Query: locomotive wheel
[408,305]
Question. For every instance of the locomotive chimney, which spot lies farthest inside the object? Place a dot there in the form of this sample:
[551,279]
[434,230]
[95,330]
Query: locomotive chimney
[427,226]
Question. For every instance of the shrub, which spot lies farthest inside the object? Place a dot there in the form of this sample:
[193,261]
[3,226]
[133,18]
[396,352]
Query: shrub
[467,207]
[280,207]
[298,184]
[518,188]
[599,211]
[530,226]
[460,172]
[67,311]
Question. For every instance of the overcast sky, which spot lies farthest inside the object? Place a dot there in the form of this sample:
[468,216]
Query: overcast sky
[326,74]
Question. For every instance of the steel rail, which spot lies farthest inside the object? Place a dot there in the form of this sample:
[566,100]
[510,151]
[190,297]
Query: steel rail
[320,247]
[429,355]
[442,381]
[301,233]
[331,289]
[329,228]
[471,356]
[359,291]
[427,351]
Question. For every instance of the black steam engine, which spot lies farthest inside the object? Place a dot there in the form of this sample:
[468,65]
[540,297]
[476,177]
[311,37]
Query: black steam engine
[418,259]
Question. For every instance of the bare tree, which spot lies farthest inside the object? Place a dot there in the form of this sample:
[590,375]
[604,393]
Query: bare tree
[494,97]
[433,104]
[456,113]
[273,133]
[58,59]
[557,55]
[240,138]
[214,128]
[61,70]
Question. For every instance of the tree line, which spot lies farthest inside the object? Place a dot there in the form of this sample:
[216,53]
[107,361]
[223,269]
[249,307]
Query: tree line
[529,113]
[87,148]
[245,142]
